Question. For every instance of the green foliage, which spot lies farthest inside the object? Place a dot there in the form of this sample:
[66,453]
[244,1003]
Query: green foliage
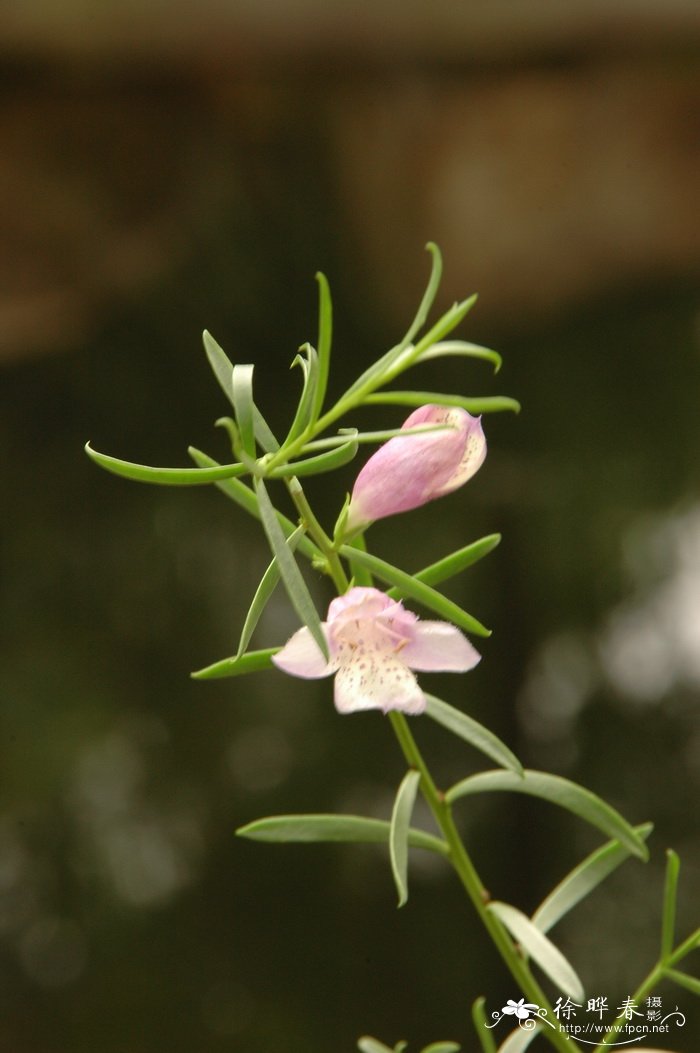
[558,791]
[143,473]
[314,828]
[315,443]
[237,665]
[490,404]
[399,832]
[583,879]
[465,727]
[291,575]
[533,941]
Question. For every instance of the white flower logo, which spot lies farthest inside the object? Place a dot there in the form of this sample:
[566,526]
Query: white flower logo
[521,1008]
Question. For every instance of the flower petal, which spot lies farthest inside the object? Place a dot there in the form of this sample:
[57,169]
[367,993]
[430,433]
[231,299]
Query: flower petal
[377,680]
[439,646]
[473,455]
[301,656]
[407,471]
[359,602]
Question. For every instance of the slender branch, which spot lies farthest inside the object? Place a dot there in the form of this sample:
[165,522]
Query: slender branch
[335,567]
[646,987]
[471,881]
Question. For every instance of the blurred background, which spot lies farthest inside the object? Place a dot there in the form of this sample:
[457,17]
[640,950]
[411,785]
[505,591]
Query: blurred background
[170,167]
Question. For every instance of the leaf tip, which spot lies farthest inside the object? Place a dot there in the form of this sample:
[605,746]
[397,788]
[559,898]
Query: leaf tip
[243,831]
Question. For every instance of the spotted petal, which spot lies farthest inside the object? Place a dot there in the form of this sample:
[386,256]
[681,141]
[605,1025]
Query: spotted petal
[377,680]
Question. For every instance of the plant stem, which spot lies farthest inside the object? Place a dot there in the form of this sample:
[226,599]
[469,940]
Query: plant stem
[335,567]
[471,881]
[646,987]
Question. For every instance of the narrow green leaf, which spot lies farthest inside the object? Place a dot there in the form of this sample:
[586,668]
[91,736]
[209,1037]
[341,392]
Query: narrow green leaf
[263,593]
[540,948]
[668,922]
[398,834]
[231,428]
[311,828]
[380,371]
[472,732]
[325,337]
[262,432]
[367,1044]
[360,574]
[492,404]
[304,413]
[559,791]
[322,462]
[291,575]
[143,473]
[428,296]
[487,404]
[583,879]
[453,564]
[252,662]
[370,379]
[441,1047]
[404,355]
[243,404]
[220,363]
[246,499]
[407,585]
[690,983]
[463,348]
[370,436]
[485,1037]
[449,321]
[519,1040]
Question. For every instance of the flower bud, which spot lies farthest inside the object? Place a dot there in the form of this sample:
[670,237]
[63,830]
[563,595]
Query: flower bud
[408,471]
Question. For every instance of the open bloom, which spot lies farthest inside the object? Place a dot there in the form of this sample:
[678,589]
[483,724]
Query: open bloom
[407,471]
[373,645]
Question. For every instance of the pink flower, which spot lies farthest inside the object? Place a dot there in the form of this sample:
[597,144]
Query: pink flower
[407,471]
[374,643]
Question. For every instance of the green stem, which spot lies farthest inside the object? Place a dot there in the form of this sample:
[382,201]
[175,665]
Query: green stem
[654,977]
[343,406]
[471,881]
[335,567]
[683,949]
[645,988]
